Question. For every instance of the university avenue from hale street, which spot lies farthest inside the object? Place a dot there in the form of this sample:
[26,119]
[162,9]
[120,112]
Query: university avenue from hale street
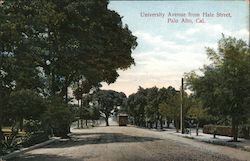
[108,80]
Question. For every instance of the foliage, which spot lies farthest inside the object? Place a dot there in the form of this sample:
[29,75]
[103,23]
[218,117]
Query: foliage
[34,138]
[224,85]
[108,101]
[33,126]
[27,104]
[171,107]
[58,118]
[136,106]
[47,46]
[152,105]
[9,142]
[66,42]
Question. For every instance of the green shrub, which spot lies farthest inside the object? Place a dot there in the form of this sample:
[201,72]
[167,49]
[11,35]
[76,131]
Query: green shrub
[9,142]
[218,130]
[244,131]
[34,138]
[58,118]
[33,126]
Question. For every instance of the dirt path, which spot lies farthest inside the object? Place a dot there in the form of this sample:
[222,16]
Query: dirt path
[116,143]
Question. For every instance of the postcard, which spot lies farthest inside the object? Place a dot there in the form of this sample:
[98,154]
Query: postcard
[124,80]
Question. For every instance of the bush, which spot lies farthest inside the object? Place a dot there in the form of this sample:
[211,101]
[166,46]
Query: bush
[218,130]
[35,138]
[58,118]
[33,126]
[244,131]
[9,142]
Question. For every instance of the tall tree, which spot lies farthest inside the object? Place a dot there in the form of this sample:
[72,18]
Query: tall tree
[57,43]
[197,112]
[225,84]
[70,39]
[170,107]
[108,101]
[136,106]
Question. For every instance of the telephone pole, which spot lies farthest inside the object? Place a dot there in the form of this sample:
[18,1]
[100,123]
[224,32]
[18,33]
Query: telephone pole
[181,110]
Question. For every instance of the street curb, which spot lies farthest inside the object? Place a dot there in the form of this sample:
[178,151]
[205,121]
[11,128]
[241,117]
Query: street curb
[18,152]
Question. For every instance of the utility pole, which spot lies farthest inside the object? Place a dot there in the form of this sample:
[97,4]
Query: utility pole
[181,111]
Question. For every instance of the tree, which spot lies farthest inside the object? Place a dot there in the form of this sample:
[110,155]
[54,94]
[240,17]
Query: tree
[163,95]
[136,106]
[81,94]
[108,101]
[6,86]
[197,112]
[70,39]
[25,104]
[151,109]
[57,117]
[224,86]
[144,105]
[170,108]
[55,44]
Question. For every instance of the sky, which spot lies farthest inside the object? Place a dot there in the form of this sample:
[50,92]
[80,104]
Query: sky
[166,50]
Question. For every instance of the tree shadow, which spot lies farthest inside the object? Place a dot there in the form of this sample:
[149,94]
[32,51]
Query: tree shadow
[45,157]
[80,139]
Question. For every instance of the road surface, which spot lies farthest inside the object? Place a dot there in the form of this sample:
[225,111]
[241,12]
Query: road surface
[116,143]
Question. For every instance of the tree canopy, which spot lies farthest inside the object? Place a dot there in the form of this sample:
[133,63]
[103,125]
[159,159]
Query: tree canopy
[47,46]
[224,85]
[108,102]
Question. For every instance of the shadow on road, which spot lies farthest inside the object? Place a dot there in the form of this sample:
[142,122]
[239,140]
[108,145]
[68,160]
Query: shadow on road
[42,157]
[79,139]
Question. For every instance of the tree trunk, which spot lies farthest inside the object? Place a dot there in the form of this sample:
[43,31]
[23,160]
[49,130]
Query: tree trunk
[66,90]
[197,129]
[177,125]
[150,124]
[235,129]
[168,123]
[81,111]
[78,121]
[86,122]
[107,121]
[156,124]
[81,123]
[53,88]
[1,131]
[161,123]
[21,124]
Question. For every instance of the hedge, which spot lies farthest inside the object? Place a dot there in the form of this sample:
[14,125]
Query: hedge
[218,130]
[35,138]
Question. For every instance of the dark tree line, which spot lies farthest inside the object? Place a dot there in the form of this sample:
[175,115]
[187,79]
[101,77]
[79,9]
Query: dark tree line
[151,106]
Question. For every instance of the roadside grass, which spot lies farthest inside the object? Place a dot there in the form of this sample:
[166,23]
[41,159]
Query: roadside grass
[228,144]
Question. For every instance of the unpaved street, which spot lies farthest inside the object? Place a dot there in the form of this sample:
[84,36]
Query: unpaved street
[116,143]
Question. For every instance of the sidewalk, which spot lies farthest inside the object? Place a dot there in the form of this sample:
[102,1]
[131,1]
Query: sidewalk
[209,138]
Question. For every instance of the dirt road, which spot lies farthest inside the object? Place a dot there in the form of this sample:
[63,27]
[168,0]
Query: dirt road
[116,143]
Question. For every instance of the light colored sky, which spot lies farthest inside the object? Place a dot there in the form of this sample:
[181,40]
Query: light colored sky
[166,51]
